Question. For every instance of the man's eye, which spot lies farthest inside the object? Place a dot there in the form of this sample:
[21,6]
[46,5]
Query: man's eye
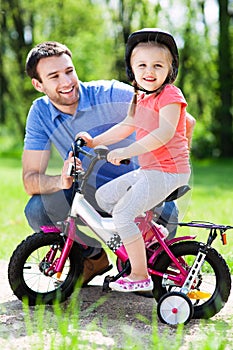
[54,76]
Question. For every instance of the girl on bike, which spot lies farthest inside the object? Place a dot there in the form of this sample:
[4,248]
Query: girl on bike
[158,116]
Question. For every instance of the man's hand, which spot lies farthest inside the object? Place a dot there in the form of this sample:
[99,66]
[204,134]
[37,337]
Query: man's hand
[66,180]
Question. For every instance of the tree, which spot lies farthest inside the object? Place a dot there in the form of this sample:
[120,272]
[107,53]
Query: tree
[79,24]
[96,31]
[224,113]
[12,44]
[127,16]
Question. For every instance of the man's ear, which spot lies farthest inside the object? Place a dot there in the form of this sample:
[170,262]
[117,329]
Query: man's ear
[37,85]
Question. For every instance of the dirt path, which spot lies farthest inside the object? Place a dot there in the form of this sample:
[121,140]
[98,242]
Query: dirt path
[115,317]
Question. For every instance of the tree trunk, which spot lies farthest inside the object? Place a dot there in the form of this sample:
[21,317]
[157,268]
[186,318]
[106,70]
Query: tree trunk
[224,116]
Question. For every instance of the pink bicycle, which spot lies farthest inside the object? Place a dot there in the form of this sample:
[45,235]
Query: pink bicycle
[191,279]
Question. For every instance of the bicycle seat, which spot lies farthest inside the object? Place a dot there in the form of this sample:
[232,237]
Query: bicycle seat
[179,192]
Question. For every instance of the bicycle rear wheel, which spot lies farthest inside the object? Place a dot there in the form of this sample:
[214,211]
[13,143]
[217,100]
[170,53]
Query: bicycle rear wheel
[211,288]
[28,262]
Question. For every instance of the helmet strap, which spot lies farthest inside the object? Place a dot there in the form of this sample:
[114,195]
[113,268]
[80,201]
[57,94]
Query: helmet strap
[147,92]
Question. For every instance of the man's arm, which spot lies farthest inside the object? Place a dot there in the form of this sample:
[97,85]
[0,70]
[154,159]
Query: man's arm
[190,124]
[36,181]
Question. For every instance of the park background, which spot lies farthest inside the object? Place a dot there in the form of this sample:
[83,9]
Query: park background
[96,32]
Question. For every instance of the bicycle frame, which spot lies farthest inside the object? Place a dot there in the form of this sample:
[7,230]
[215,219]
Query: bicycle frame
[104,228]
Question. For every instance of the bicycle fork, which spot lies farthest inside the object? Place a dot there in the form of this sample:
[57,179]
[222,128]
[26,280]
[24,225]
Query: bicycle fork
[56,266]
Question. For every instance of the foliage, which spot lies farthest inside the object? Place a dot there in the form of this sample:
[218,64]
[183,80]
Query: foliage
[96,32]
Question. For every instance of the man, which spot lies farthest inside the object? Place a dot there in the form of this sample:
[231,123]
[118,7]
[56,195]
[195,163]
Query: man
[68,107]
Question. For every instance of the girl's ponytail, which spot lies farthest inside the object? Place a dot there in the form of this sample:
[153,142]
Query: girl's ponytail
[133,104]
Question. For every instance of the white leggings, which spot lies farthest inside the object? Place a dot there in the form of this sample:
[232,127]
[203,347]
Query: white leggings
[131,194]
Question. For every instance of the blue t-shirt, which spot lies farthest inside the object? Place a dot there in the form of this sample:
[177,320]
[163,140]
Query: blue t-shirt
[102,104]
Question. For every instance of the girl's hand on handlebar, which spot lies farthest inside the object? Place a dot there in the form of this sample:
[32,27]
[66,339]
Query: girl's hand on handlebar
[66,180]
[86,137]
[116,156]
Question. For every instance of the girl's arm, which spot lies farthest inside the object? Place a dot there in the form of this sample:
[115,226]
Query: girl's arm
[168,121]
[115,134]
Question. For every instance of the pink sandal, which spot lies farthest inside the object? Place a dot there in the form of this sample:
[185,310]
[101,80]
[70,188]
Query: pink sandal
[126,285]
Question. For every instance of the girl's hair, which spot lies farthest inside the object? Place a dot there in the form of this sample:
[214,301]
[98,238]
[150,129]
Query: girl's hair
[43,50]
[168,80]
[133,103]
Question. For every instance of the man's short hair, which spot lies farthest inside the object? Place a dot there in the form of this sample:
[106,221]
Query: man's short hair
[43,50]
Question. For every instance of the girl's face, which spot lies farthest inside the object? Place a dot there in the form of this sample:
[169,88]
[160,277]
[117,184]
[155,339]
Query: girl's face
[151,65]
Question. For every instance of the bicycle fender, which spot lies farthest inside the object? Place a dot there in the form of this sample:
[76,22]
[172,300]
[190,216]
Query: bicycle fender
[178,239]
[49,229]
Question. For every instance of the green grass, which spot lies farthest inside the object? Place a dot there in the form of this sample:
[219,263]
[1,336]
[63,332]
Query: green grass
[13,198]
[13,225]
[211,199]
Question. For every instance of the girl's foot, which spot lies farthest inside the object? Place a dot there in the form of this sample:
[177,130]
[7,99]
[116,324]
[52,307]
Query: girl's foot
[124,284]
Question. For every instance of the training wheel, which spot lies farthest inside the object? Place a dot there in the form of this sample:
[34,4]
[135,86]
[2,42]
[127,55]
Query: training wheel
[174,308]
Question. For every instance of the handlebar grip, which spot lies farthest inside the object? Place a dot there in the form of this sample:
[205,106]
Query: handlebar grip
[125,161]
[80,142]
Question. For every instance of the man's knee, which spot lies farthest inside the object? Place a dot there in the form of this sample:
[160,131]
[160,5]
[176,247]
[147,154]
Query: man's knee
[35,213]
[47,209]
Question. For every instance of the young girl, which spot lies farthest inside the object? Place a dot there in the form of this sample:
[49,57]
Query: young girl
[158,116]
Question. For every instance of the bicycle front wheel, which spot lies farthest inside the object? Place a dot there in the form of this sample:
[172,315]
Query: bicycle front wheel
[28,263]
[211,288]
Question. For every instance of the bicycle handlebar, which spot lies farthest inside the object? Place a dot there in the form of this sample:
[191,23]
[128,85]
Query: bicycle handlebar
[101,153]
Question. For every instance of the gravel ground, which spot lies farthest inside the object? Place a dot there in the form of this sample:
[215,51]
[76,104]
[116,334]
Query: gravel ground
[115,318]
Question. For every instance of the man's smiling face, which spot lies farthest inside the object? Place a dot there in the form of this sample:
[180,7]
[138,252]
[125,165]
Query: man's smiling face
[59,81]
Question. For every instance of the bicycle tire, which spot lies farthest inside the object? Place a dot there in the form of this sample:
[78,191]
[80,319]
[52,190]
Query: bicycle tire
[29,284]
[218,274]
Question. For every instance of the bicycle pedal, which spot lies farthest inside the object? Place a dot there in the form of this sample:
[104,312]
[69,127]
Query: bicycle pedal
[107,280]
